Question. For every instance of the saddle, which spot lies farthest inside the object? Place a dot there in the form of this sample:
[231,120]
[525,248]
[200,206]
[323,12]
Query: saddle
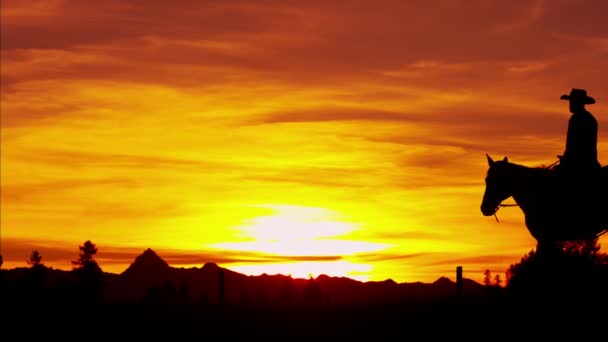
[579,181]
[579,196]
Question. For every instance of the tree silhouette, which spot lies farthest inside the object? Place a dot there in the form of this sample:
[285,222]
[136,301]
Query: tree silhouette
[497,280]
[85,258]
[35,259]
[89,273]
[1,261]
[487,277]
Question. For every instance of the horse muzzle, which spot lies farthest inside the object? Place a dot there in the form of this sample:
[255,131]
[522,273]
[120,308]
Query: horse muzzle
[488,211]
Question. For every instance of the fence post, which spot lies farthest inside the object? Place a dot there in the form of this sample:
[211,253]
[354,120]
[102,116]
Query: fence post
[459,281]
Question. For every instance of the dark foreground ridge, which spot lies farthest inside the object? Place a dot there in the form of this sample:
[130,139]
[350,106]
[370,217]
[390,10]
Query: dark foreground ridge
[152,299]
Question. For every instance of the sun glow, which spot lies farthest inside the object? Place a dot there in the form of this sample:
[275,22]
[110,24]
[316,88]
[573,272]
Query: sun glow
[299,231]
[297,223]
[312,241]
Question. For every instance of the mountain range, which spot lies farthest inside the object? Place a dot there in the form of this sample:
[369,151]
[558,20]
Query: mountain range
[149,278]
[152,299]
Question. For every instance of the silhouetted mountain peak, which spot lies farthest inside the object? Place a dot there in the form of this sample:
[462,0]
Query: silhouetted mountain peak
[147,262]
[443,281]
[210,266]
[389,282]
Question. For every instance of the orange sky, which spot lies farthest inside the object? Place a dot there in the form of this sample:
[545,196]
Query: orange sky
[345,138]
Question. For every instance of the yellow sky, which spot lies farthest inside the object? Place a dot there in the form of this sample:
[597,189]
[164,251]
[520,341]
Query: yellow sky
[284,137]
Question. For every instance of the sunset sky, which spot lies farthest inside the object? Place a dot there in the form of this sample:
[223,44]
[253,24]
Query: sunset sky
[295,137]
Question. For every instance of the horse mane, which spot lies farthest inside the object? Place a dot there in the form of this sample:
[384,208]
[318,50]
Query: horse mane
[538,167]
[541,167]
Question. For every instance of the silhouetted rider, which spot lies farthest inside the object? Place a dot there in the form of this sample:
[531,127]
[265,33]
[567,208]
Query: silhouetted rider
[580,156]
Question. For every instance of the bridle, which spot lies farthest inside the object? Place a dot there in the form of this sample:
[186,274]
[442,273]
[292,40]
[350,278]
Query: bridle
[503,205]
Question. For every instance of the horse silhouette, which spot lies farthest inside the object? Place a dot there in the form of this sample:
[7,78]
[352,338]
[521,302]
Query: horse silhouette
[556,209]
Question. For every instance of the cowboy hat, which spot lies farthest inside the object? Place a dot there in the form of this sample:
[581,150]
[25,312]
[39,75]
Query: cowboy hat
[579,95]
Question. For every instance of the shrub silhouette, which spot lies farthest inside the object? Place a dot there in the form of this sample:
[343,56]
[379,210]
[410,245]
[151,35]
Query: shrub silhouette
[576,273]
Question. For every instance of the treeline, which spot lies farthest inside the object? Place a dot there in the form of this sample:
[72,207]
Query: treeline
[39,284]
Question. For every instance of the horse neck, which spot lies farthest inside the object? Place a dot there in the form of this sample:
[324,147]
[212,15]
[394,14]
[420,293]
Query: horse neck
[523,182]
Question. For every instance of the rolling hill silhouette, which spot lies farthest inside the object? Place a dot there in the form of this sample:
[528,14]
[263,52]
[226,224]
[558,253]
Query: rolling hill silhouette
[151,298]
[149,277]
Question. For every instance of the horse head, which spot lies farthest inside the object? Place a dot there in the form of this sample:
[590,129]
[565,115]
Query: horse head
[498,186]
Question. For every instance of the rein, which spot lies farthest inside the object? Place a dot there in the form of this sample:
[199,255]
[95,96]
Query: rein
[504,205]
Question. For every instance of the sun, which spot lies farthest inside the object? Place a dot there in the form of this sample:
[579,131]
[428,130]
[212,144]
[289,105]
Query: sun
[305,240]
[299,231]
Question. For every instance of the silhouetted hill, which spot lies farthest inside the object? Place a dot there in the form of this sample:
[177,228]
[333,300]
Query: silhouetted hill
[150,298]
[150,279]
[145,264]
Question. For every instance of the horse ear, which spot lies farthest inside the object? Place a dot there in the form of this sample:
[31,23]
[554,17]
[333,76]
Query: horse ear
[505,160]
[490,161]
